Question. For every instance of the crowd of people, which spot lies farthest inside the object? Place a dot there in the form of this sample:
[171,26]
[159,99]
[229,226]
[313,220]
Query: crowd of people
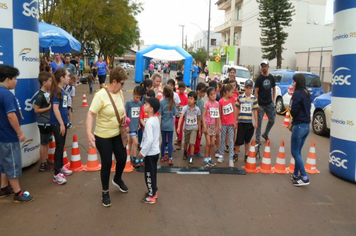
[227,120]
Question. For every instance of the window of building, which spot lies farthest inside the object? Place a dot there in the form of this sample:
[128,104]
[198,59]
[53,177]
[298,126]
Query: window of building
[238,17]
[235,38]
[213,42]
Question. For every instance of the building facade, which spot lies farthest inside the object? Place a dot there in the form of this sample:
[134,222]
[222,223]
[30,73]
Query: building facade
[201,40]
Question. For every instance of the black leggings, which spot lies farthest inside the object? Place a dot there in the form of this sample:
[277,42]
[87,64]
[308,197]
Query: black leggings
[151,174]
[60,143]
[106,146]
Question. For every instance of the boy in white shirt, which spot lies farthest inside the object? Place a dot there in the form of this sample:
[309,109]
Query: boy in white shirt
[150,149]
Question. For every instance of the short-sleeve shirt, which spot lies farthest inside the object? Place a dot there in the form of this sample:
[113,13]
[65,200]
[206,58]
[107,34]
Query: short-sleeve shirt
[247,106]
[43,101]
[212,110]
[8,104]
[227,110]
[191,117]
[70,68]
[70,90]
[151,67]
[133,112]
[195,72]
[107,125]
[101,68]
[183,102]
[63,108]
[55,66]
[81,64]
[265,84]
[167,123]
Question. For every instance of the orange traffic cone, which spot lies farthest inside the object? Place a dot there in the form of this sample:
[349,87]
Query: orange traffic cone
[159,93]
[93,163]
[266,166]
[251,160]
[265,117]
[84,103]
[51,148]
[113,164]
[280,166]
[310,166]
[286,120]
[75,161]
[65,157]
[128,166]
[291,165]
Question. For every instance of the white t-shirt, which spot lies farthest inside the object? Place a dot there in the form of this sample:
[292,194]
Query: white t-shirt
[150,139]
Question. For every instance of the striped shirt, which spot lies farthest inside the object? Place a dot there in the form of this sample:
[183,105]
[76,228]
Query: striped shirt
[247,105]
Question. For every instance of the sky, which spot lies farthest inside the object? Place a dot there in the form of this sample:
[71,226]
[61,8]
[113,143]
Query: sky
[159,21]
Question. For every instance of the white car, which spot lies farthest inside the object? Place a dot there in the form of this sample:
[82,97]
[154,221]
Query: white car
[130,66]
[242,74]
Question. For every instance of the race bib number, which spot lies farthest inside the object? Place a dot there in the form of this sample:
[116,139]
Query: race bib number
[227,109]
[65,101]
[214,112]
[180,109]
[246,108]
[191,120]
[135,112]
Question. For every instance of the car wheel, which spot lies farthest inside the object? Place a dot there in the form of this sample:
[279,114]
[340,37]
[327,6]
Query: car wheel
[279,106]
[319,123]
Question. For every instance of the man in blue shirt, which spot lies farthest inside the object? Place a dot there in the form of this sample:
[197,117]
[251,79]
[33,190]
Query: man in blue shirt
[193,82]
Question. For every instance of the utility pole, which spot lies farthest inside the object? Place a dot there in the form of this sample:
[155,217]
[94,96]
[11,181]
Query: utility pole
[182,35]
[208,43]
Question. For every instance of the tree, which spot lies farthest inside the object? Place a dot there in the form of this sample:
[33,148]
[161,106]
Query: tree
[274,17]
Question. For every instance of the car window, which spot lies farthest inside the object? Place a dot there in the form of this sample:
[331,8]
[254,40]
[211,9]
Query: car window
[313,81]
[277,77]
[286,78]
[243,74]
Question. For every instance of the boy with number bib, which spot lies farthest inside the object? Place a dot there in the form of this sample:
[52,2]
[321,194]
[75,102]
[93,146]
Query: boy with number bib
[133,107]
[191,114]
[183,102]
[246,105]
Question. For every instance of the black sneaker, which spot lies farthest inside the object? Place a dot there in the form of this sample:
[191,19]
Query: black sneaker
[46,167]
[190,162]
[265,137]
[105,199]
[121,185]
[236,157]
[292,177]
[246,156]
[7,192]
[300,182]
[24,197]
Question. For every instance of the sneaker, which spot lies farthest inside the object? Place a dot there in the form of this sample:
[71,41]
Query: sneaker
[231,163]
[24,197]
[135,162]
[220,159]
[7,192]
[207,163]
[59,179]
[148,200]
[69,125]
[300,182]
[46,167]
[163,159]
[51,163]
[65,171]
[190,162]
[185,156]
[292,177]
[142,162]
[72,110]
[212,163]
[173,149]
[265,137]
[217,154]
[257,142]
[198,155]
[246,156]
[170,161]
[236,157]
[155,196]
[105,199]
[121,185]
[227,148]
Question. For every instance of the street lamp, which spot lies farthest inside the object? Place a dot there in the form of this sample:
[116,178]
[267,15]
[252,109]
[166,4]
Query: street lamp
[182,35]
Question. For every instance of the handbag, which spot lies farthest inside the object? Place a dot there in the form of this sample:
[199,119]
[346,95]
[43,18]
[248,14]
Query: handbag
[121,123]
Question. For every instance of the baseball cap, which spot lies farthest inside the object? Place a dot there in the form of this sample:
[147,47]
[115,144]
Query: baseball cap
[265,62]
[154,102]
[249,83]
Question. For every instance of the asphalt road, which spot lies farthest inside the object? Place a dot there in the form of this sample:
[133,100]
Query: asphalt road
[215,204]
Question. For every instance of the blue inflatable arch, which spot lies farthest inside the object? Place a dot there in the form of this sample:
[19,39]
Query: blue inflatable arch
[164,53]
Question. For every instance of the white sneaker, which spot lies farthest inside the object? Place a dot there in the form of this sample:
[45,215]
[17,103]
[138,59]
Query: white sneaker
[59,179]
[217,154]
[220,159]
[65,171]
[231,163]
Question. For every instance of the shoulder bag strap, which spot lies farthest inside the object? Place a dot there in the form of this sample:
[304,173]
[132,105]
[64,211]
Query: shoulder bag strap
[114,106]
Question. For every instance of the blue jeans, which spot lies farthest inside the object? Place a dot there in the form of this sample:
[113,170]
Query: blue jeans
[271,114]
[170,142]
[91,87]
[193,83]
[300,133]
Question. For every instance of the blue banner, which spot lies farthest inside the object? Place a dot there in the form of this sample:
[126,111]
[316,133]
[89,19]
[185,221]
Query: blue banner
[26,15]
[344,76]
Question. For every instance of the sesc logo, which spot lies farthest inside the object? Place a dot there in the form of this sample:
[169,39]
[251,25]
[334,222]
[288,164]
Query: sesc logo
[337,161]
[31,9]
[25,58]
[27,147]
[50,33]
[341,79]
[30,103]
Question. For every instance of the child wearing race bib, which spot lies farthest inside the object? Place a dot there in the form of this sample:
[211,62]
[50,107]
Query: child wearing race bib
[211,123]
[228,121]
[191,114]
[59,120]
[167,110]
[143,114]
[133,107]
[247,105]
[183,102]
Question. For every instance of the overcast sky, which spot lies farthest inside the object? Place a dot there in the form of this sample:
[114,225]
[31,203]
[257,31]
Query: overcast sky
[159,21]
